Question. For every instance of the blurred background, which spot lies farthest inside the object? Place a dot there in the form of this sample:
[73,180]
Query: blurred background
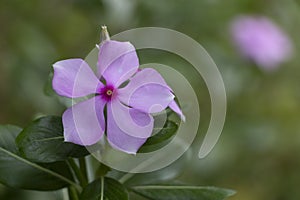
[258,152]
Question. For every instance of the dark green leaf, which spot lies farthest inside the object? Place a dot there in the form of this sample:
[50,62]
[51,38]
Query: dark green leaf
[18,172]
[43,141]
[102,170]
[160,192]
[160,139]
[111,190]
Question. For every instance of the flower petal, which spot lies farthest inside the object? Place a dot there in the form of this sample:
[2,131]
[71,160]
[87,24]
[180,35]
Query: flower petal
[74,78]
[173,105]
[117,61]
[147,91]
[147,75]
[132,121]
[118,137]
[84,122]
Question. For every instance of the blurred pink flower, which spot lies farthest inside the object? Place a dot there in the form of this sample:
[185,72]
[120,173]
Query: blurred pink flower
[262,41]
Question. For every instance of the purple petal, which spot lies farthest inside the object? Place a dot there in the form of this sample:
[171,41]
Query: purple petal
[117,133]
[131,121]
[84,122]
[147,91]
[173,105]
[117,61]
[147,75]
[261,40]
[74,78]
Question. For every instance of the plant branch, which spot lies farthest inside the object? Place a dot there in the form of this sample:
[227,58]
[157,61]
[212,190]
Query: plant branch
[73,195]
[83,168]
[77,171]
[126,177]
[102,188]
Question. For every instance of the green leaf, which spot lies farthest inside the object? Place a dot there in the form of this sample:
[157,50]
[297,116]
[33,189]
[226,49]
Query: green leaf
[160,139]
[160,192]
[104,188]
[18,172]
[43,141]
[102,170]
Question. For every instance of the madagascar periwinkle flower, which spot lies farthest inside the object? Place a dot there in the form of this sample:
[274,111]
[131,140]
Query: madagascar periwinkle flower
[127,94]
[261,40]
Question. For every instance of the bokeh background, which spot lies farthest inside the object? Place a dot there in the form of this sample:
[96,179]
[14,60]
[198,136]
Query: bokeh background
[258,152]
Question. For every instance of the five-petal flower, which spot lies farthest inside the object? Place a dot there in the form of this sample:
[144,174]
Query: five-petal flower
[128,121]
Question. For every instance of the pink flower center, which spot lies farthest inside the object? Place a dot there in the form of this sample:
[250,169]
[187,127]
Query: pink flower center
[107,92]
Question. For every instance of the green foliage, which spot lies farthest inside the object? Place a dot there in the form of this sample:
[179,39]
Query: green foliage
[43,141]
[18,172]
[102,170]
[160,192]
[160,139]
[107,188]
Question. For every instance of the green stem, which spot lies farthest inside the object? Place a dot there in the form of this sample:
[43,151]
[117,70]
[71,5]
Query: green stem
[73,195]
[83,169]
[126,177]
[102,188]
[77,171]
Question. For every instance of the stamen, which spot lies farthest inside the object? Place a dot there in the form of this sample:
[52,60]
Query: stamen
[109,92]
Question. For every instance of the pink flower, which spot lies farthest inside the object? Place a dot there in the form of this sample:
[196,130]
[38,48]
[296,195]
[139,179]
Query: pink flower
[260,40]
[128,121]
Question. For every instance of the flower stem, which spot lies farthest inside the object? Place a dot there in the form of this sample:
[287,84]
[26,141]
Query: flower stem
[126,177]
[102,188]
[73,195]
[83,169]
[77,171]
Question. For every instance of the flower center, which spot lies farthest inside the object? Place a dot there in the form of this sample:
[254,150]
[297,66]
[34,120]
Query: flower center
[107,92]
